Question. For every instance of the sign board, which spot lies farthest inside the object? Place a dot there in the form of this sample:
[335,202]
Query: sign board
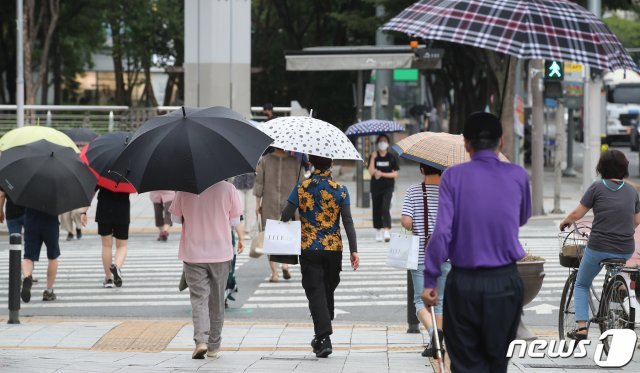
[573,72]
[518,115]
[369,94]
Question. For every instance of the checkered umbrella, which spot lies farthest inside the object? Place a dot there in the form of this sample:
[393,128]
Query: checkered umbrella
[527,29]
[436,149]
[373,127]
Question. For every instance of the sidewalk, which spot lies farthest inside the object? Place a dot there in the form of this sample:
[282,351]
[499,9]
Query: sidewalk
[52,345]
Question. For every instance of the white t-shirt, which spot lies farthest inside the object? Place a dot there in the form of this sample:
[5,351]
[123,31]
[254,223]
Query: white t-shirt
[413,207]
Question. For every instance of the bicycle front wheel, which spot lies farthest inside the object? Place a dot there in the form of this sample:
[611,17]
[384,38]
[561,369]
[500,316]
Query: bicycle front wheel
[615,308]
[567,311]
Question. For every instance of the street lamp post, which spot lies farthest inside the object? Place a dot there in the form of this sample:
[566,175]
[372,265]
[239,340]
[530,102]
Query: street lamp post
[19,67]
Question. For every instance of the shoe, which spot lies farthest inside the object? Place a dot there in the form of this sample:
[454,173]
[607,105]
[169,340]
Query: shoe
[387,235]
[379,235]
[107,283]
[213,353]
[274,279]
[324,347]
[286,274]
[117,275]
[48,295]
[199,351]
[159,237]
[25,294]
[79,233]
[430,351]
[577,336]
[69,236]
[315,344]
[165,236]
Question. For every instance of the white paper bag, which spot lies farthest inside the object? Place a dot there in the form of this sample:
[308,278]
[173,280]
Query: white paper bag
[282,238]
[404,250]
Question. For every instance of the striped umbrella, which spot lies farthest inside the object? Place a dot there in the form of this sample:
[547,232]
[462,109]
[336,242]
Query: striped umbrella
[531,29]
[436,149]
[373,127]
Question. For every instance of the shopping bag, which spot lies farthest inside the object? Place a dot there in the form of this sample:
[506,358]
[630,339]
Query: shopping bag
[258,241]
[282,238]
[404,250]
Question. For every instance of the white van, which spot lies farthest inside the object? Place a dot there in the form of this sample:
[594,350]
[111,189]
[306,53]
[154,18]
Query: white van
[623,106]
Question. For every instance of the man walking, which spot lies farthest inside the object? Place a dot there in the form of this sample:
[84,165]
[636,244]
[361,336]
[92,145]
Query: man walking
[206,250]
[482,205]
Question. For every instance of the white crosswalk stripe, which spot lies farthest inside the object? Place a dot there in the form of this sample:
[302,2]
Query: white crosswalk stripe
[373,284]
[150,278]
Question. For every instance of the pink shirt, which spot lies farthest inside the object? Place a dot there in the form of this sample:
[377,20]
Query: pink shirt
[161,196]
[206,229]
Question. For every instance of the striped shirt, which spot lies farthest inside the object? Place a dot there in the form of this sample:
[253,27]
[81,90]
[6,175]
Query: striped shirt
[413,207]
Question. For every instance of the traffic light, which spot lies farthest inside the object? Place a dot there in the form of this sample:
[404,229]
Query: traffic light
[553,89]
[553,70]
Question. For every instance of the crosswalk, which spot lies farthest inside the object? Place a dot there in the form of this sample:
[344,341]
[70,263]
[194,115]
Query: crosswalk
[373,284]
[151,275]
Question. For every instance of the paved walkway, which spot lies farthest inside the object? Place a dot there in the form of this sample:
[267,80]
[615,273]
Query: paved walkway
[56,345]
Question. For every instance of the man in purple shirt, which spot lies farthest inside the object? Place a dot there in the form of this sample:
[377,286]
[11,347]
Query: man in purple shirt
[482,205]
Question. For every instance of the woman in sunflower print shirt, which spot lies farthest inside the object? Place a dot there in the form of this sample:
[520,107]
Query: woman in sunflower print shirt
[322,202]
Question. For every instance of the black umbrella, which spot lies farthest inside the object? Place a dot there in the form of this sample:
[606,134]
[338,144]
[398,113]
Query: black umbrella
[190,150]
[80,135]
[101,153]
[46,177]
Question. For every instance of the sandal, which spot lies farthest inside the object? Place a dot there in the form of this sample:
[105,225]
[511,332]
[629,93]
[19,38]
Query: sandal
[286,274]
[577,336]
[273,279]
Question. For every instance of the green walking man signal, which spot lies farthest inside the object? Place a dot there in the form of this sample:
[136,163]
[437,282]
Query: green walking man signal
[553,70]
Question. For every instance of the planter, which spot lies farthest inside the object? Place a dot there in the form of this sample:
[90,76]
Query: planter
[532,274]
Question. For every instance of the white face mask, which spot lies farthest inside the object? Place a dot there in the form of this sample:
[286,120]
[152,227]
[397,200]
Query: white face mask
[382,146]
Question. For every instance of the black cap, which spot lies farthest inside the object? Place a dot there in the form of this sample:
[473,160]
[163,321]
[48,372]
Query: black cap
[482,125]
[267,106]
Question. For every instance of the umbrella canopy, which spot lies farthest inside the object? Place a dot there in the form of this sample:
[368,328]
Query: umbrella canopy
[310,136]
[100,155]
[436,149]
[190,150]
[373,127]
[527,29]
[80,135]
[27,134]
[46,177]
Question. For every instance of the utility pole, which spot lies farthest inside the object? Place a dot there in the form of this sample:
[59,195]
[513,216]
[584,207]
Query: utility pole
[20,66]
[384,78]
[559,153]
[537,139]
[593,114]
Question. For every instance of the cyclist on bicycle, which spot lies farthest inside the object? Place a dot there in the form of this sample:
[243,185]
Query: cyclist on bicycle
[616,214]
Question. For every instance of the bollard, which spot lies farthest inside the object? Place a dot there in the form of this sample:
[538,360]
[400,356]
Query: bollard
[110,121]
[412,319]
[49,120]
[15,251]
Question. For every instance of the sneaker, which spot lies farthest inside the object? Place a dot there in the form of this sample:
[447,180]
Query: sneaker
[430,351]
[107,283]
[324,347]
[117,275]
[79,233]
[25,294]
[379,235]
[48,295]
[387,235]
[199,351]
[315,344]
[215,353]
[69,236]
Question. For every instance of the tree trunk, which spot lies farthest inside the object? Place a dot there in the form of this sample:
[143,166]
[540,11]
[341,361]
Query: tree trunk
[57,74]
[28,30]
[116,54]
[169,89]
[148,87]
[507,111]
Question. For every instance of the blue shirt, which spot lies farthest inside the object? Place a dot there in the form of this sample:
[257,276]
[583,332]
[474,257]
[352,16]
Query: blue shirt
[319,200]
[482,205]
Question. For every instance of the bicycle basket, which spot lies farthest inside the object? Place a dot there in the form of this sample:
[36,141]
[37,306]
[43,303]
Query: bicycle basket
[572,244]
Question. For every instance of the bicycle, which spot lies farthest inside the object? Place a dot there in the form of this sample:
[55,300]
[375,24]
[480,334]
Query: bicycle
[615,307]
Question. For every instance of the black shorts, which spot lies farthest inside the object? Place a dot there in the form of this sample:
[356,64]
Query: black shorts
[119,231]
[40,232]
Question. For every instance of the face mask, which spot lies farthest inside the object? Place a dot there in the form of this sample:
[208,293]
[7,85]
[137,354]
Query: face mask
[382,146]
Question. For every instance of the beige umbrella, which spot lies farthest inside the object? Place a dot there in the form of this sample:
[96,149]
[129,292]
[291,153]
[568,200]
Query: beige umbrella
[436,149]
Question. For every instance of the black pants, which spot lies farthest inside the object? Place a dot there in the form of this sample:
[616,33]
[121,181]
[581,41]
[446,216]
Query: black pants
[320,277]
[381,204]
[482,309]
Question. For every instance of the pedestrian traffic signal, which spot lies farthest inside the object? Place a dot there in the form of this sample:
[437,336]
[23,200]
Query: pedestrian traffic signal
[553,70]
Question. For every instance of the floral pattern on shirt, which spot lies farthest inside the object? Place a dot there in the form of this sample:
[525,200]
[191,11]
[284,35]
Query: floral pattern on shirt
[320,200]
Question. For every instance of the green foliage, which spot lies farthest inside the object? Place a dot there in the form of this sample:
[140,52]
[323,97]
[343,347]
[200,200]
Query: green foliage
[628,31]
